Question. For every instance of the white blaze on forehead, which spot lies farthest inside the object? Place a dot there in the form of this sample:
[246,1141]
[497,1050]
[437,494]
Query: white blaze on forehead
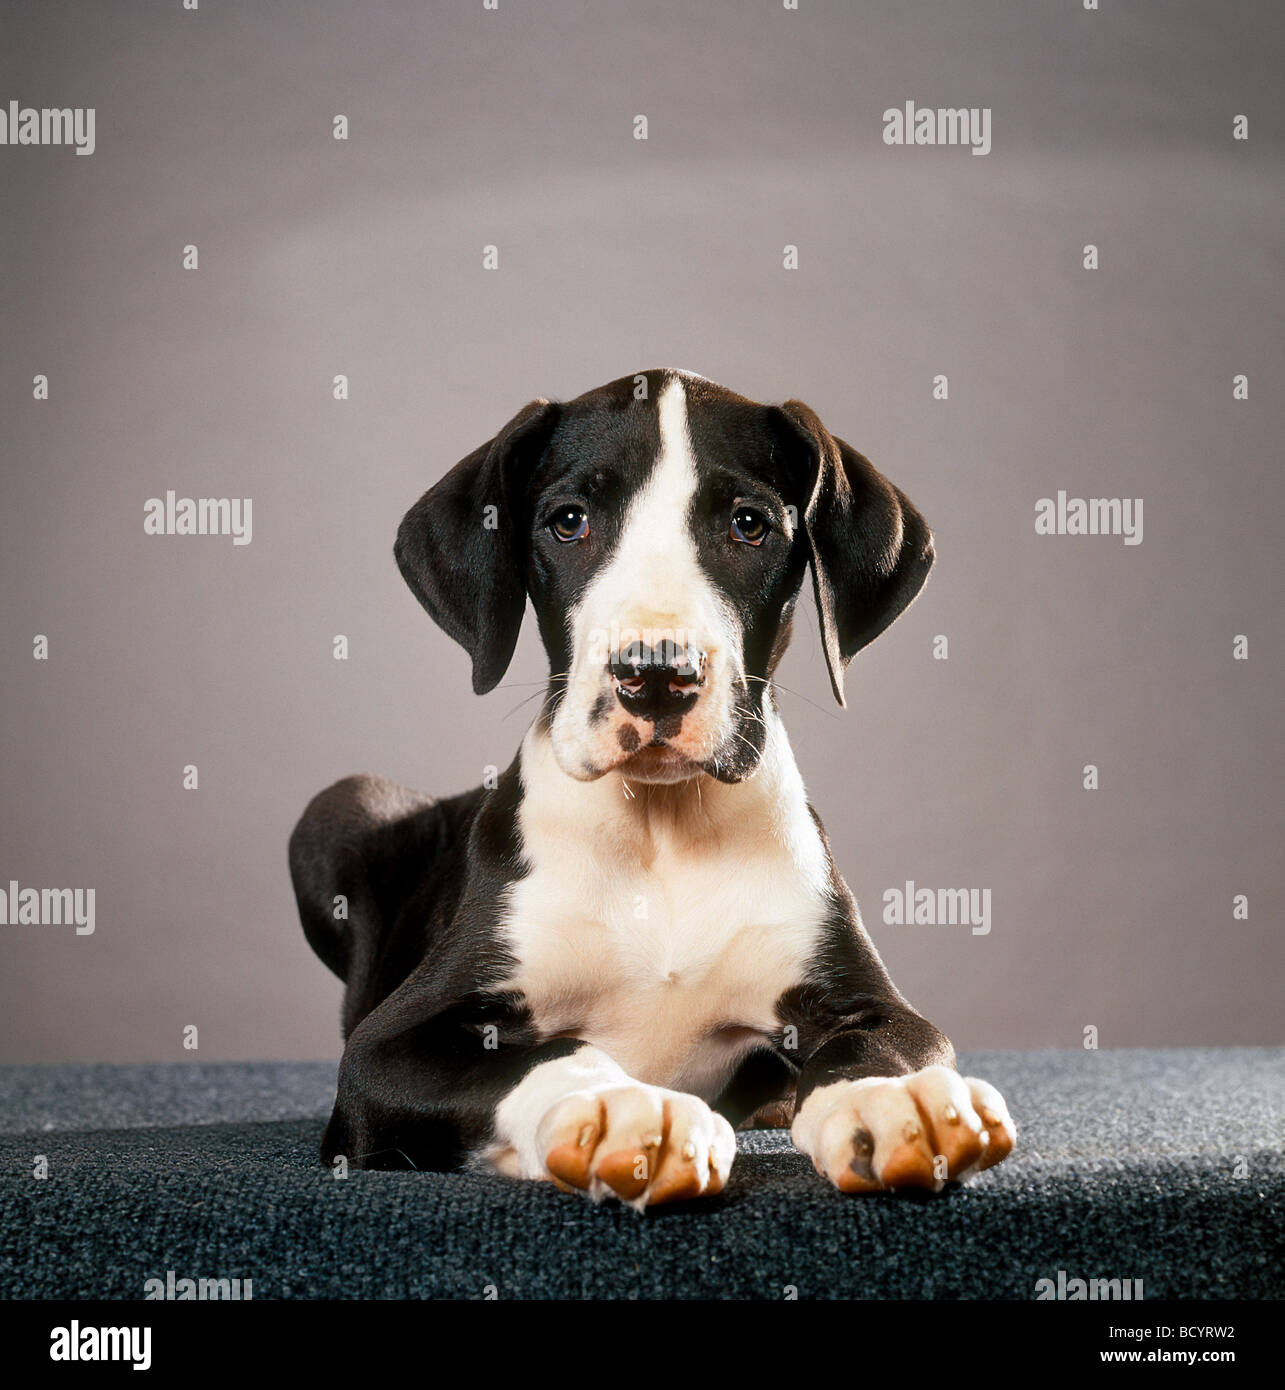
[654,580]
[656,533]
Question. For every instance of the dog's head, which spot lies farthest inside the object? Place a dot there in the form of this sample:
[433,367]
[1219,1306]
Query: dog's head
[661,526]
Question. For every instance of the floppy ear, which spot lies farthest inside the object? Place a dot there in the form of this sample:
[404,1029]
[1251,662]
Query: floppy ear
[462,546]
[869,548]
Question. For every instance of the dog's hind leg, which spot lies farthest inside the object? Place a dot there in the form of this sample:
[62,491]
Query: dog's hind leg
[361,849]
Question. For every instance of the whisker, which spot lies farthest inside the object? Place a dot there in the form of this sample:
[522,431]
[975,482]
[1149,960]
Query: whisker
[535,695]
[375,1152]
[519,685]
[756,751]
[776,685]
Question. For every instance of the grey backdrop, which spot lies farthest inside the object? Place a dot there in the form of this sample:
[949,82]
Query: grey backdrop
[1111,908]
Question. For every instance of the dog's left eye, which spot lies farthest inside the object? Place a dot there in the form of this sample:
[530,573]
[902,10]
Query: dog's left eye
[748,526]
[570,523]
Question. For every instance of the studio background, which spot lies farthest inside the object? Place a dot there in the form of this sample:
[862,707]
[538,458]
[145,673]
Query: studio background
[1111,909]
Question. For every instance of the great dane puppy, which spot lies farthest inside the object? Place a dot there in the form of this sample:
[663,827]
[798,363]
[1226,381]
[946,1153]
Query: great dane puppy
[636,938]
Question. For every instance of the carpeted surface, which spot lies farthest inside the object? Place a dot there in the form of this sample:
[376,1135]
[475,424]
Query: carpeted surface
[1159,1166]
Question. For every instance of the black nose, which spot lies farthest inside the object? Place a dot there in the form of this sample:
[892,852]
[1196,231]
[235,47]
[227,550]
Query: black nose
[653,682]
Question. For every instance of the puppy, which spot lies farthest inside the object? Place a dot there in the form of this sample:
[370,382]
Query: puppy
[635,938]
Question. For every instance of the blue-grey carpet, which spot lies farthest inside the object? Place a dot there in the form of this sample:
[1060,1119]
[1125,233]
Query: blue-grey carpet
[1164,1166]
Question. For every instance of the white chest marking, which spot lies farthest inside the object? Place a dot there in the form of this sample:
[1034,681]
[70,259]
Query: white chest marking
[662,924]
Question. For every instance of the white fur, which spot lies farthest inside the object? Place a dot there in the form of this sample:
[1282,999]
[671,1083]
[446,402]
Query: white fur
[659,923]
[518,1116]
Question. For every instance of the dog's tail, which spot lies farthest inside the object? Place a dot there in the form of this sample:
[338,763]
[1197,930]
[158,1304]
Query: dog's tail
[351,838]
[363,860]
[326,870]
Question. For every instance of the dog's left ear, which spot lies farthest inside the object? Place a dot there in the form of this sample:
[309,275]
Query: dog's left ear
[461,547]
[870,550]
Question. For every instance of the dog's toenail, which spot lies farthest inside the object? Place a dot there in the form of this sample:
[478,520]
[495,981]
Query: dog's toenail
[689,1150]
[951,1115]
[586,1133]
[911,1132]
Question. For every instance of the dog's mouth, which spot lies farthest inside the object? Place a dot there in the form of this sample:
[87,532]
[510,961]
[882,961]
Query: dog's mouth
[658,762]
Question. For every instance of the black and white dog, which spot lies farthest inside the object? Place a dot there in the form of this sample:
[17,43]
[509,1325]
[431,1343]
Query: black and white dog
[637,938]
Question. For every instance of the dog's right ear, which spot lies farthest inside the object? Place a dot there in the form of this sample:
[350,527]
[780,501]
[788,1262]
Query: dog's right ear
[462,546]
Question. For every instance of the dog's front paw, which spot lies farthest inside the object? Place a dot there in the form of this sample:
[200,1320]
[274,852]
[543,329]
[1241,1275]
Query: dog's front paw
[919,1130]
[639,1143]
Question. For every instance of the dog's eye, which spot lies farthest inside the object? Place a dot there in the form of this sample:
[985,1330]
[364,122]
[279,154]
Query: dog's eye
[570,523]
[749,526]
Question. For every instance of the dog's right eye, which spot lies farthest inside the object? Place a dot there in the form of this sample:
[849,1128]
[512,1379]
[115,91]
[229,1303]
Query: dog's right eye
[749,526]
[570,523]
